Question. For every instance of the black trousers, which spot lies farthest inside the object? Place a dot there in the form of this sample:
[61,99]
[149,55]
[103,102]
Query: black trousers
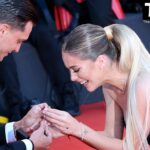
[100,12]
[49,50]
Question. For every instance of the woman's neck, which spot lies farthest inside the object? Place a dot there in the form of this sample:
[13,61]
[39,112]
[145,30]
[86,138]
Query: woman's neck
[117,79]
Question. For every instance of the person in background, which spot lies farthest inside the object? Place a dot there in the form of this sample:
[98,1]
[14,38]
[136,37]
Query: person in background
[16,21]
[74,8]
[121,65]
[43,38]
[100,12]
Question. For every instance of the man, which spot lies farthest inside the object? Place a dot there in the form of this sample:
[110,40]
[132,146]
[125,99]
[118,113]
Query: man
[16,21]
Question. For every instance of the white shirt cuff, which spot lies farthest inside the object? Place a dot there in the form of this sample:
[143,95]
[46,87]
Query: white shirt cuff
[10,133]
[28,144]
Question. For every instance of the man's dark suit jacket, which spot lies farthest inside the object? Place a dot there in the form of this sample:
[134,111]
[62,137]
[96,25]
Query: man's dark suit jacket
[18,145]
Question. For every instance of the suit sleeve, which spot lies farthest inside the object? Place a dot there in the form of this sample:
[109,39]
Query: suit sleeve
[2,135]
[19,145]
[11,146]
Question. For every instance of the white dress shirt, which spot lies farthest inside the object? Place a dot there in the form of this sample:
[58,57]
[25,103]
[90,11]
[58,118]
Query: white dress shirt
[10,136]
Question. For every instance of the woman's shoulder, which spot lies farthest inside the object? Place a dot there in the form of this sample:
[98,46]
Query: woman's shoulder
[142,89]
[143,81]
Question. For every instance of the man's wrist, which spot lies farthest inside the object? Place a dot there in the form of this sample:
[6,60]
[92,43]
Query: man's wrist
[17,125]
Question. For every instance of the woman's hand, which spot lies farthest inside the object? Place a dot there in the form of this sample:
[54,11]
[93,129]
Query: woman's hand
[62,120]
[55,132]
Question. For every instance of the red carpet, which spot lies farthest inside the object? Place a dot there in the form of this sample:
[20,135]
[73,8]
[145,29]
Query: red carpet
[91,114]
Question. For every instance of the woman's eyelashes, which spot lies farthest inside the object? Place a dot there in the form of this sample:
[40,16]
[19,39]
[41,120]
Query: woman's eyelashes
[76,70]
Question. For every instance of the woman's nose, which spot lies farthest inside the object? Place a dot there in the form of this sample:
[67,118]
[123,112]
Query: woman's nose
[74,76]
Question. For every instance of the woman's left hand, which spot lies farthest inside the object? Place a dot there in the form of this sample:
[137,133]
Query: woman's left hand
[62,120]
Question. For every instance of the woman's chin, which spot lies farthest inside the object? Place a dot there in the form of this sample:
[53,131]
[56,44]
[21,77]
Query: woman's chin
[91,89]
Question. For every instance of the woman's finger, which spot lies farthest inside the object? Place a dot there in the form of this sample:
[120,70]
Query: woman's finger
[55,111]
[50,115]
[54,121]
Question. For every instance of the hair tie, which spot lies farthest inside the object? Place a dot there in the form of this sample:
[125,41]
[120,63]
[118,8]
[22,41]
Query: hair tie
[108,32]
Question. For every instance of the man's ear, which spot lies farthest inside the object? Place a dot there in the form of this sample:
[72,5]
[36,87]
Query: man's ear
[101,61]
[3,29]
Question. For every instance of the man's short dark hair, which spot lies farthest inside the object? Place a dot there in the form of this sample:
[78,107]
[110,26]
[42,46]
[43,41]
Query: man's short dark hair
[17,13]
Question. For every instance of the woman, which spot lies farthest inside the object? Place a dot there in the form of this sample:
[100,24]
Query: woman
[114,58]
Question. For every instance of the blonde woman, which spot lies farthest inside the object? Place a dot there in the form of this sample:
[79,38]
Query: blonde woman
[114,58]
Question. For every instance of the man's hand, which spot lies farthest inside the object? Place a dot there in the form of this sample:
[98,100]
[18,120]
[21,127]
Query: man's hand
[31,121]
[42,137]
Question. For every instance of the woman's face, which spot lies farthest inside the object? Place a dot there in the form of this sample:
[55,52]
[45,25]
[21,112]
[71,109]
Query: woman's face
[85,72]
